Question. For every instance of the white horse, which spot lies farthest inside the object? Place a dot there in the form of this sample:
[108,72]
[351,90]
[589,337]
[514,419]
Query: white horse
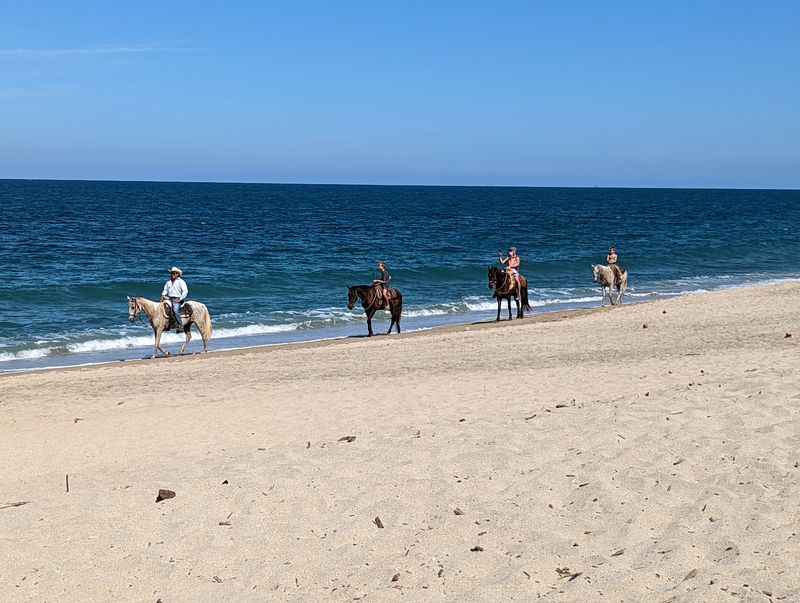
[604,276]
[158,314]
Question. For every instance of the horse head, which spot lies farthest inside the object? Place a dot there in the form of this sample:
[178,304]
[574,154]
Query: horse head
[352,297]
[595,272]
[133,308]
[493,274]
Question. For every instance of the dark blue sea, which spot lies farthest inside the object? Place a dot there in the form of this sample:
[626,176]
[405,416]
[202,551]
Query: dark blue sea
[273,262]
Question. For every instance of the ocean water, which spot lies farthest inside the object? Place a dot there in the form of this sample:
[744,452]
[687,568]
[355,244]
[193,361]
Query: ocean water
[273,262]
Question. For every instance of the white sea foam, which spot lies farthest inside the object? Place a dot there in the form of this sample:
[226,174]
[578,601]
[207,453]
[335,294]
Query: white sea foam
[25,354]
[140,341]
[480,306]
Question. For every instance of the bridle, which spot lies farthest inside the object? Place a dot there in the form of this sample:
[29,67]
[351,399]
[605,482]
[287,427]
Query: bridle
[498,279]
[136,309]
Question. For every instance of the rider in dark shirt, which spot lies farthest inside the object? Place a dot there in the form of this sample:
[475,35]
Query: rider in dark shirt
[381,283]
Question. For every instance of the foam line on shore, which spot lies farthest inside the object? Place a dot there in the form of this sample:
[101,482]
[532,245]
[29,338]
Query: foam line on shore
[547,315]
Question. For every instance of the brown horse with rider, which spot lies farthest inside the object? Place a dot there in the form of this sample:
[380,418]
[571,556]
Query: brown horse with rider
[378,296]
[510,283]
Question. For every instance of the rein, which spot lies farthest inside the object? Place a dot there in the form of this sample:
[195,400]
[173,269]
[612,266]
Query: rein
[501,282]
[371,301]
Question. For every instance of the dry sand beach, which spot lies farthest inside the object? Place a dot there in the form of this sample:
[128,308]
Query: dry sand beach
[582,459]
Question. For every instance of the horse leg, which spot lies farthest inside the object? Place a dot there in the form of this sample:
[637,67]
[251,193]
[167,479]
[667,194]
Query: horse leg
[519,308]
[399,311]
[370,313]
[499,303]
[391,322]
[509,307]
[158,344]
[188,331]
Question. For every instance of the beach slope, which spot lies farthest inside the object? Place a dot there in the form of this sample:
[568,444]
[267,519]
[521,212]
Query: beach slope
[648,452]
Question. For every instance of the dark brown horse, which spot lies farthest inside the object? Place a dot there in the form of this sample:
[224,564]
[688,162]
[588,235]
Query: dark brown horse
[505,287]
[372,302]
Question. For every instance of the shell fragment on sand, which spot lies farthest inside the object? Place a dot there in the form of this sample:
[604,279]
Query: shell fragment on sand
[164,495]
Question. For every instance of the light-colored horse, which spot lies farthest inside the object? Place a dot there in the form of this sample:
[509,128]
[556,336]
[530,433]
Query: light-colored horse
[158,316]
[604,276]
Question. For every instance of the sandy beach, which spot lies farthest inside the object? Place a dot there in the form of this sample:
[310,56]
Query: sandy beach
[641,453]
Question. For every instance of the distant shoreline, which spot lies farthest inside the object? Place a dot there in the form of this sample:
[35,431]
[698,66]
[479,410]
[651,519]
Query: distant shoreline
[542,317]
[537,317]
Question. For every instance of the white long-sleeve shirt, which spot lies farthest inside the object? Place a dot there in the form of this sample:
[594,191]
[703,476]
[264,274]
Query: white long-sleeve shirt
[176,288]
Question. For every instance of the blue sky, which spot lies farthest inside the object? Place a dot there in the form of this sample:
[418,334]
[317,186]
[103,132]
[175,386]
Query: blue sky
[516,93]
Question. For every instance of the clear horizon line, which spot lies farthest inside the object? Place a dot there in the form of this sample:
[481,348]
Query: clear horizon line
[259,182]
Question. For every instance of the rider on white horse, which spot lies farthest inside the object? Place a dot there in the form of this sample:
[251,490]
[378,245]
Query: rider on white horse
[175,290]
[612,259]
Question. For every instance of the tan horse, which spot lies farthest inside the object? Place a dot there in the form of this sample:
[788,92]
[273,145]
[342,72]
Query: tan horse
[604,276]
[158,314]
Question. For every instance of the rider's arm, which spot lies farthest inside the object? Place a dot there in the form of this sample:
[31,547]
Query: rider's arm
[184,290]
[164,290]
[504,260]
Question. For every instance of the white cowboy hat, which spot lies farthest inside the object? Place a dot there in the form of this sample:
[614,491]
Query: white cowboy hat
[176,269]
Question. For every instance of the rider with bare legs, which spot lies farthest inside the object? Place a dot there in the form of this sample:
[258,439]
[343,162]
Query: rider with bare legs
[512,263]
[612,259]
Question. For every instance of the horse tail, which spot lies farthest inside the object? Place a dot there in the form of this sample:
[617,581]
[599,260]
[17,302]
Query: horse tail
[524,295]
[208,327]
[203,321]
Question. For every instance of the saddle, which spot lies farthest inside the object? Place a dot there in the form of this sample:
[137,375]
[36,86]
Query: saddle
[512,282]
[186,314]
[386,295]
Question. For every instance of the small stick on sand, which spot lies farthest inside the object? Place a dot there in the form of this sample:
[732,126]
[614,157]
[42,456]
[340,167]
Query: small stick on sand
[66,480]
[14,504]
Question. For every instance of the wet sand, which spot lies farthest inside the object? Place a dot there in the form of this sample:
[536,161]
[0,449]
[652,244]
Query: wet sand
[576,457]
